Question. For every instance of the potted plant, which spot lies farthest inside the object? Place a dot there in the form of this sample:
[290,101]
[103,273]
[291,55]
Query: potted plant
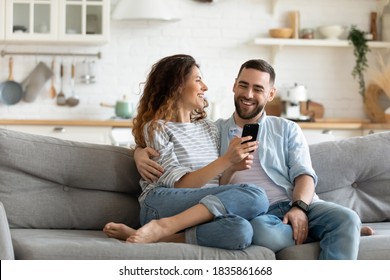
[359,42]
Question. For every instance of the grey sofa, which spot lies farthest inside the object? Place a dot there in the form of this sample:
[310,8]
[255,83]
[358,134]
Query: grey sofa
[56,196]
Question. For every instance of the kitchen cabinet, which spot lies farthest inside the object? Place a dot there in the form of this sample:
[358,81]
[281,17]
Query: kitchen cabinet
[57,21]
[84,20]
[373,130]
[2,21]
[30,20]
[88,134]
[122,136]
[321,135]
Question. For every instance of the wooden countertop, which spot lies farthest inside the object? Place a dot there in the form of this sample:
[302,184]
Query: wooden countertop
[111,122]
[349,124]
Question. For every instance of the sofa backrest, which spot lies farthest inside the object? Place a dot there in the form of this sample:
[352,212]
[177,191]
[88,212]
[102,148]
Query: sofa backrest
[46,182]
[355,172]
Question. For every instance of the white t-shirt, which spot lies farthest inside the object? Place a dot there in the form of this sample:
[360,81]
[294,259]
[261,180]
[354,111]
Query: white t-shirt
[257,176]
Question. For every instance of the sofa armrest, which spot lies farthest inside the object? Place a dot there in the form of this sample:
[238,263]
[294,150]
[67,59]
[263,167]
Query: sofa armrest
[6,249]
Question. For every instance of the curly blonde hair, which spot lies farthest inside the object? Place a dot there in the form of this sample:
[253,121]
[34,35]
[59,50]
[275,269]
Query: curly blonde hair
[162,91]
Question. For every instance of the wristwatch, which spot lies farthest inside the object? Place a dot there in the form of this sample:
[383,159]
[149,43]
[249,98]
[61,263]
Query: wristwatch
[301,205]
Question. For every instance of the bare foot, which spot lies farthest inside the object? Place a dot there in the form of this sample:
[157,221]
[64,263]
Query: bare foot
[118,231]
[151,232]
[365,230]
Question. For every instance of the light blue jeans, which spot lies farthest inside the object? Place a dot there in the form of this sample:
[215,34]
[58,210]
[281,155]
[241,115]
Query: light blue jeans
[232,205]
[337,228]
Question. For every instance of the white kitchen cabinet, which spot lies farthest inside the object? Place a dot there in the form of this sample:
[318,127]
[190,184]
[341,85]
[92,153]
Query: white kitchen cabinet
[321,135]
[31,20]
[57,21]
[372,131]
[97,135]
[2,21]
[121,136]
[84,20]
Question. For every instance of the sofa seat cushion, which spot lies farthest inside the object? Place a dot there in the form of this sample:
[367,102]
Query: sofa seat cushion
[91,245]
[374,247]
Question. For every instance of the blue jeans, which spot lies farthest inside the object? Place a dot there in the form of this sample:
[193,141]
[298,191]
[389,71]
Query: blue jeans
[232,205]
[337,228]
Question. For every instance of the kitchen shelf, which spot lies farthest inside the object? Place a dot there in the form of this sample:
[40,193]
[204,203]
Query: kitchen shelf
[314,43]
[278,44]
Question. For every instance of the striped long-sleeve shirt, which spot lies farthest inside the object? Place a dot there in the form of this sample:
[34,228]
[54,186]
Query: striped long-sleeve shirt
[183,148]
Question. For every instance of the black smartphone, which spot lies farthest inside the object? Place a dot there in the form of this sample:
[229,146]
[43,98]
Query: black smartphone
[250,129]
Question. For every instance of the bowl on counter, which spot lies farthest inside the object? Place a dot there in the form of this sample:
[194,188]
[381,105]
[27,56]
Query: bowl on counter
[331,32]
[284,32]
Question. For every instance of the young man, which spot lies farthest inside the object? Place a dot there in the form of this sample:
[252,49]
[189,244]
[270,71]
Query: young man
[282,166]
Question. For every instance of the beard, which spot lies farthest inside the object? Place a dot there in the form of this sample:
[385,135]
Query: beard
[247,115]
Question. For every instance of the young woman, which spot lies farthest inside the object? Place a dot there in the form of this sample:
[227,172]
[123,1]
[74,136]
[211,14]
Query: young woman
[187,204]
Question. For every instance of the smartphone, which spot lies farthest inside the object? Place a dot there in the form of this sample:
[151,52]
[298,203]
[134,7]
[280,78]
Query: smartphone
[250,129]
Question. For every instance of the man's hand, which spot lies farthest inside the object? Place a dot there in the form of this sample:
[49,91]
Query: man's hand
[299,223]
[147,168]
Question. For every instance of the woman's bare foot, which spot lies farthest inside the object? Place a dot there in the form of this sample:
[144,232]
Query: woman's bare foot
[118,231]
[152,232]
[365,230]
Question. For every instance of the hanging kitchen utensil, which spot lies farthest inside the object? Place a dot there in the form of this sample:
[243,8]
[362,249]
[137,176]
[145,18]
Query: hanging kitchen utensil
[11,92]
[35,81]
[73,100]
[88,72]
[53,92]
[61,98]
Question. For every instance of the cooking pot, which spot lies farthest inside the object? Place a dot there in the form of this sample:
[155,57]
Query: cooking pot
[123,108]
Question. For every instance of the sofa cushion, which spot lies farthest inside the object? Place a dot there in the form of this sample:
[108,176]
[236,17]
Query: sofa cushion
[374,247]
[47,182]
[355,172]
[93,245]
[6,249]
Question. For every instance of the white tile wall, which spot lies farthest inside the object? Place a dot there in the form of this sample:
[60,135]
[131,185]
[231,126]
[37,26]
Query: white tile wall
[219,36]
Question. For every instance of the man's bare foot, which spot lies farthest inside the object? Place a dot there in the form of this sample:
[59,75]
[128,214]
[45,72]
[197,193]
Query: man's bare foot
[118,231]
[365,230]
[152,232]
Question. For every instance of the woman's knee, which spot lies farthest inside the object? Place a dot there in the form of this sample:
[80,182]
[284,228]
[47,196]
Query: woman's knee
[269,231]
[258,196]
[227,232]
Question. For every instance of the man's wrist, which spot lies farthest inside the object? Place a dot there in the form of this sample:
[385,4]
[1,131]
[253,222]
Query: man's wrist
[301,205]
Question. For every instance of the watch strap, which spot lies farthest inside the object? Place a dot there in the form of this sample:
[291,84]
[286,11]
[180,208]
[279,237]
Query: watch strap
[301,205]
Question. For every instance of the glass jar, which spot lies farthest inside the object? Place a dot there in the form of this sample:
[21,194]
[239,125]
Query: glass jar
[307,33]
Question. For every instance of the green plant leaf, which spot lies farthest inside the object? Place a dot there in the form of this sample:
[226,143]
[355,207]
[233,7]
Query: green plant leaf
[356,37]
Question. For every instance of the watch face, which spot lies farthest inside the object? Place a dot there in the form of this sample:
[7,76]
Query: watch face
[301,204]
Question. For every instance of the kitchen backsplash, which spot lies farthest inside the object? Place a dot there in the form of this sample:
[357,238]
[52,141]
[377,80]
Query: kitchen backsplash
[220,36]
